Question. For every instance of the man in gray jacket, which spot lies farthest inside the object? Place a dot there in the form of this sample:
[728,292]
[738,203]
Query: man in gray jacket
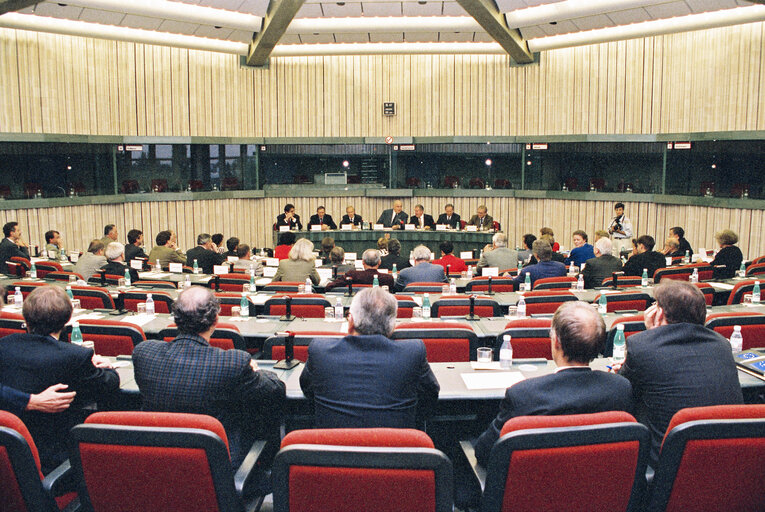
[91,261]
[498,254]
[422,271]
[603,265]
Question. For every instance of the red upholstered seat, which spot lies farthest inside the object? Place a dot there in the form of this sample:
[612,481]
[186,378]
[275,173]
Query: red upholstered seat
[740,289]
[624,301]
[111,337]
[282,286]
[93,297]
[12,323]
[274,347]
[44,267]
[530,337]
[231,282]
[708,290]
[546,301]
[304,305]
[63,275]
[230,299]
[459,305]
[424,287]
[752,326]
[26,287]
[406,305]
[163,301]
[755,269]
[622,281]
[444,341]
[498,284]
[554,283]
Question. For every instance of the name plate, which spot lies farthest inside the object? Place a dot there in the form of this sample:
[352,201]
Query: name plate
[136,264]
[74,257]
[409,227]
[378,227]
[382,270]
[359,265]
[272,262]
[325,274]
[442,227]
[220,269]
[176,267]
[232,259]
[350,256]
[269,272]
[490,271]
[284,228]
[346,227]
[315,227]
[466,255]
[471,228]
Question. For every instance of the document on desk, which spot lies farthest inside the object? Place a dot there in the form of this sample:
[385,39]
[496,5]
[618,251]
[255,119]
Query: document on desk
[139,320]
[259,300]
[491,380]
[722,286]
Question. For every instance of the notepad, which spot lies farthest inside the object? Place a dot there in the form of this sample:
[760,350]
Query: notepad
[491,380]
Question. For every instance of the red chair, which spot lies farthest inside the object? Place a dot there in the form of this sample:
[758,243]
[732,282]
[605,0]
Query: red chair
[111,337]
[231,282]
[530,338]
[12,323]
[26,288]
[163,301]
[130,187]
[739,289]
[305,305]
[18,266]
[755,269]
[554,283]
[281,286]
[502,183]
[32,189]
[463,223]
[225,336]
[230,184]
[622,281]
[25,488]
[625,301]
[424,287]
[93,297]
[274,346]
[544,302]
[196,185]
[361,469]
[558,462]
[632,325]
[412,182]
[158,461]
[678,273]
[708,290]
[707,185]
[498,284]
[445,342]
[161,285]
[406,305]
[5,191]
[496,226]
[63,275]
[46,267]
[459,305]
[230,300]
[571,183]
[752,326]
[711,459]
[758,259]
[597,184]
[109,279]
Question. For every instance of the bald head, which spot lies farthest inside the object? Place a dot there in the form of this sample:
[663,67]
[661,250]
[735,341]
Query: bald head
[580,331]
[196,310]
[397,206]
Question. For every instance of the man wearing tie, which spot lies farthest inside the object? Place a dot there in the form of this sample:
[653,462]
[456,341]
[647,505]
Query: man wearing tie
[350,217]
[481,220]
[323,220]
[421,219]
[449,218]
[395,217]
[289,218]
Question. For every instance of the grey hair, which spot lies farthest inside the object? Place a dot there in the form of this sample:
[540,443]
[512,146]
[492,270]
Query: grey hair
[302,250]
[542,249]
[421,253]
[371,257]
[580,330]
[499,240]
[114,250]
[203,238]
[195,310]
[374,312]
[603,245]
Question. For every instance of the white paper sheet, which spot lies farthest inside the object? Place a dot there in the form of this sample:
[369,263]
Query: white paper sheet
[724,286]
[139,320]
[491,380]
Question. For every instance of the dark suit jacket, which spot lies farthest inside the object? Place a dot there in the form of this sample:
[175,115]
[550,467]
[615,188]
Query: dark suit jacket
[133,251]
[13,400]
[188,375]
[368,381]
[597,269]
[650,260]
[676,366]
[540,271]
[362,277]
[385,218]
[357,220]
[685,246]
[388,260]
[116,268]
[454,222]
[488,222]
[327,220]
[9,250]
[731,257]
[428,221]
[424,272]
[569,391]
[31,363]
[206,259]
[281,221]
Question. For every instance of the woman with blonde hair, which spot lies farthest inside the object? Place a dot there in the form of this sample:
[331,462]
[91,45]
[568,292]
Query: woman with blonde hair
[549,232]
[299,265]
[729,255]
[382,246]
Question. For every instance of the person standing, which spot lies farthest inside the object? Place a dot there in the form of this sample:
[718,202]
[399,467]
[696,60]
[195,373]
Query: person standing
[620,230]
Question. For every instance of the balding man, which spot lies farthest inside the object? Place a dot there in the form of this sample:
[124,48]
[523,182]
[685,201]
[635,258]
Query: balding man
[603,265]
[205,254]
[422,271]
[371,261]
[481,220]
[498,254]
[394,217]
[577,336]
[188,375]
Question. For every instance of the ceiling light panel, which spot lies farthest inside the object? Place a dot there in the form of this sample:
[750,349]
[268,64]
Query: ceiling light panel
[55,10]
[456,37]
[141,22]
[394,37]
[482,37]
[316,38]
[592,22]
[256,7]
[99,16]
[352,38]
[421,37]
[212,32]
[309,11]
[382,8]
[670,10]
[629,16]
[290,39]
[423,8]
[453,9]
[178,27]
[341,9]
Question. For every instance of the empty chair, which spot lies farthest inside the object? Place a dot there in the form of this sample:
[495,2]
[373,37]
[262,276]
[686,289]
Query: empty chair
[229,300]
[225,336]
[304,305]
[163,302]
[93,297]
[274,346]
[346,470]
[111,337]
[195,185]
[739,290]
[451,181]
[459,305]
[758,259]
[63,275]
[159,185]
[26,288]
[12,323]
[130,187]
[711,459]
[503,183]
[412,182]
[282,286]
[705,270]
[755,269]
[554,283]
[476,182]
[709,292]
[633,324]
[406,305]
[622,281]
[424,287]
[498,284]
[444,341]
[625,301]
[230,183]
[108,279]
[752,326]
[161,285]
[530,338]
[546,301]
[230,282]
[597,184]
[45,267]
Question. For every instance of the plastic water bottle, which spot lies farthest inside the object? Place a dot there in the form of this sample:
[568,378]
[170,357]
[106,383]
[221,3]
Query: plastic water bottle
[187,281]
[742,270]
[755,293]
[453,286]
[521,306]
[76,334]
[62,252]
[506,353]
[527,283]
[620,344]
[244,304]
[736,340]
[339,309]
[470,272]
[149,304]
[644,278]
[253,288]
[69,292]
[18,297]
[127,278]
[394,272]
[33,272]
[196,266]
[687,257]
[375,282]
[580,283]
[603,304]
[695,276]
[158,267]
[426,306]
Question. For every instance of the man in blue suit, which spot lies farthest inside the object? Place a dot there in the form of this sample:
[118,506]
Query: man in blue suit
[545,268]
[366,379]
[422,271]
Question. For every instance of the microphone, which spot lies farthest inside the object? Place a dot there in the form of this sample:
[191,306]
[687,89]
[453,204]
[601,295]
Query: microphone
[448,267]
[103,276]
[334,272]
[217,283]
[471,314]
[289,360]
[287,309]
[350,286]
[489,292]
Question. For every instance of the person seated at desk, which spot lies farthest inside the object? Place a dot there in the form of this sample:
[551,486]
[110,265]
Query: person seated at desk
[165,251]
[350,217]
[672,248]
[246,262]
[286,241]
[581,252]
[645,258]
[327,244]
[524,254]
[482,221]
[115,255]
[12,245]
[577,336]
[422,271]
[205,254]
[728,255]
[51,400]
[231,245]
[92,260]
[53,244]
[289,218]
[545,231]
[300,264]
[603,265]
[421,219]
[134,247]
[382,245]
[498,255]
[678,234]
[371,261]
[366,379]
[110,234]
[545,268]
[337,260]
[394,257]
[556,256]
[217,243]
[448,259]
[322,219]
[395,217]
[449,218]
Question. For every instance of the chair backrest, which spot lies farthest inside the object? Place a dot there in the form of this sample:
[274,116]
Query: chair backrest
[12,323]
[63,275]
[752,326]
[758,260]
[498,284]
[228,300]
[530,338]
[739,289]
[282,286]
[444,341]
[111,337]
[708,290]
[225,336]
[424,287]
[169,458]
[711,459]
[305,305]
[623,301]
[705,270]
[361,469]
[93,297]
[231,282]
[26,288]
[632,325]
[755,269]
[274,346]
[546,301]
[24,262]
[406,305]
[15,269]
[562,462]
[678,273]
[156,285]
[459,305]
[622,281]
[554,283]
[45,267]
[163,302]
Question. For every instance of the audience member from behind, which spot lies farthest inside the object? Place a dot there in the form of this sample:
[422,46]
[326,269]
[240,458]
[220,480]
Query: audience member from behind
[545,268]
[165,251]
[337,260]
[91,261]
[577,336]
[188,375]
[327,244]
[371,261]
[679,234]
[448,259]
[231,245]
[646,258]
[53,244]
[246,261]
[300,264]
[394,257]
[601,233]
[423,270]
[382,245]
[728,255]
[581,252]
[34,361]
[115,255]
[204,254]
[677,362]
[134,248]
[602,266]
[217,240]
[498,255]
[12,245]
[286,241]
[524,254]
[548,231]
[110,234]
[366,379]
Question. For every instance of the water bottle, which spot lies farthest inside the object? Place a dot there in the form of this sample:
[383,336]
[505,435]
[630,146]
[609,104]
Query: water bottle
[580,283]
[69,292]
[506,353]
[149,304]
[196,266]
[158,267]
[253,288]
[63,254]
[127,278]
[394,272]
[695,276]
[527,283]
[521,306]
[742,270]
[755,293]
[470,272]
[308,285]
[603,304]
[644,278]
[33,272]
[624,260]
[76,334]
[687,257]
[18,297]
[453,286]
[620,344]
[187,281]
[339,309]
[520,265]
[375,282]
[244,304]
[426,306]
[736,340]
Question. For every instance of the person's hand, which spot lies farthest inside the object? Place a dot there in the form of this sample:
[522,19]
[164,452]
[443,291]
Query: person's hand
[649,317]
[324,227]
[253,365]
[21,243]
[101,361]
[288,215]
[51,400]
[488,247]
[396,226]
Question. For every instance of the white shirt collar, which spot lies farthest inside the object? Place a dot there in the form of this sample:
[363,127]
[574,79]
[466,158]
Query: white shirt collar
[561,368]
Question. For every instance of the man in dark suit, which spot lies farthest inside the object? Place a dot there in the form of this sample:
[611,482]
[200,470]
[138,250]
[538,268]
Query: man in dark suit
[53,399]
[603,265]
[366,379]
[394,217]
[371,261]
[577,336]
[422,271]
[677,362]
[646,258]
[115,266]
[205,255]
[421,219]
[12,245]
[322,219]
[679,234]
[481,220]
[188,375]
[545,266]
[350,217]
[449,218]
[289,218]
[35,361]
[394,257]
[134,247]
